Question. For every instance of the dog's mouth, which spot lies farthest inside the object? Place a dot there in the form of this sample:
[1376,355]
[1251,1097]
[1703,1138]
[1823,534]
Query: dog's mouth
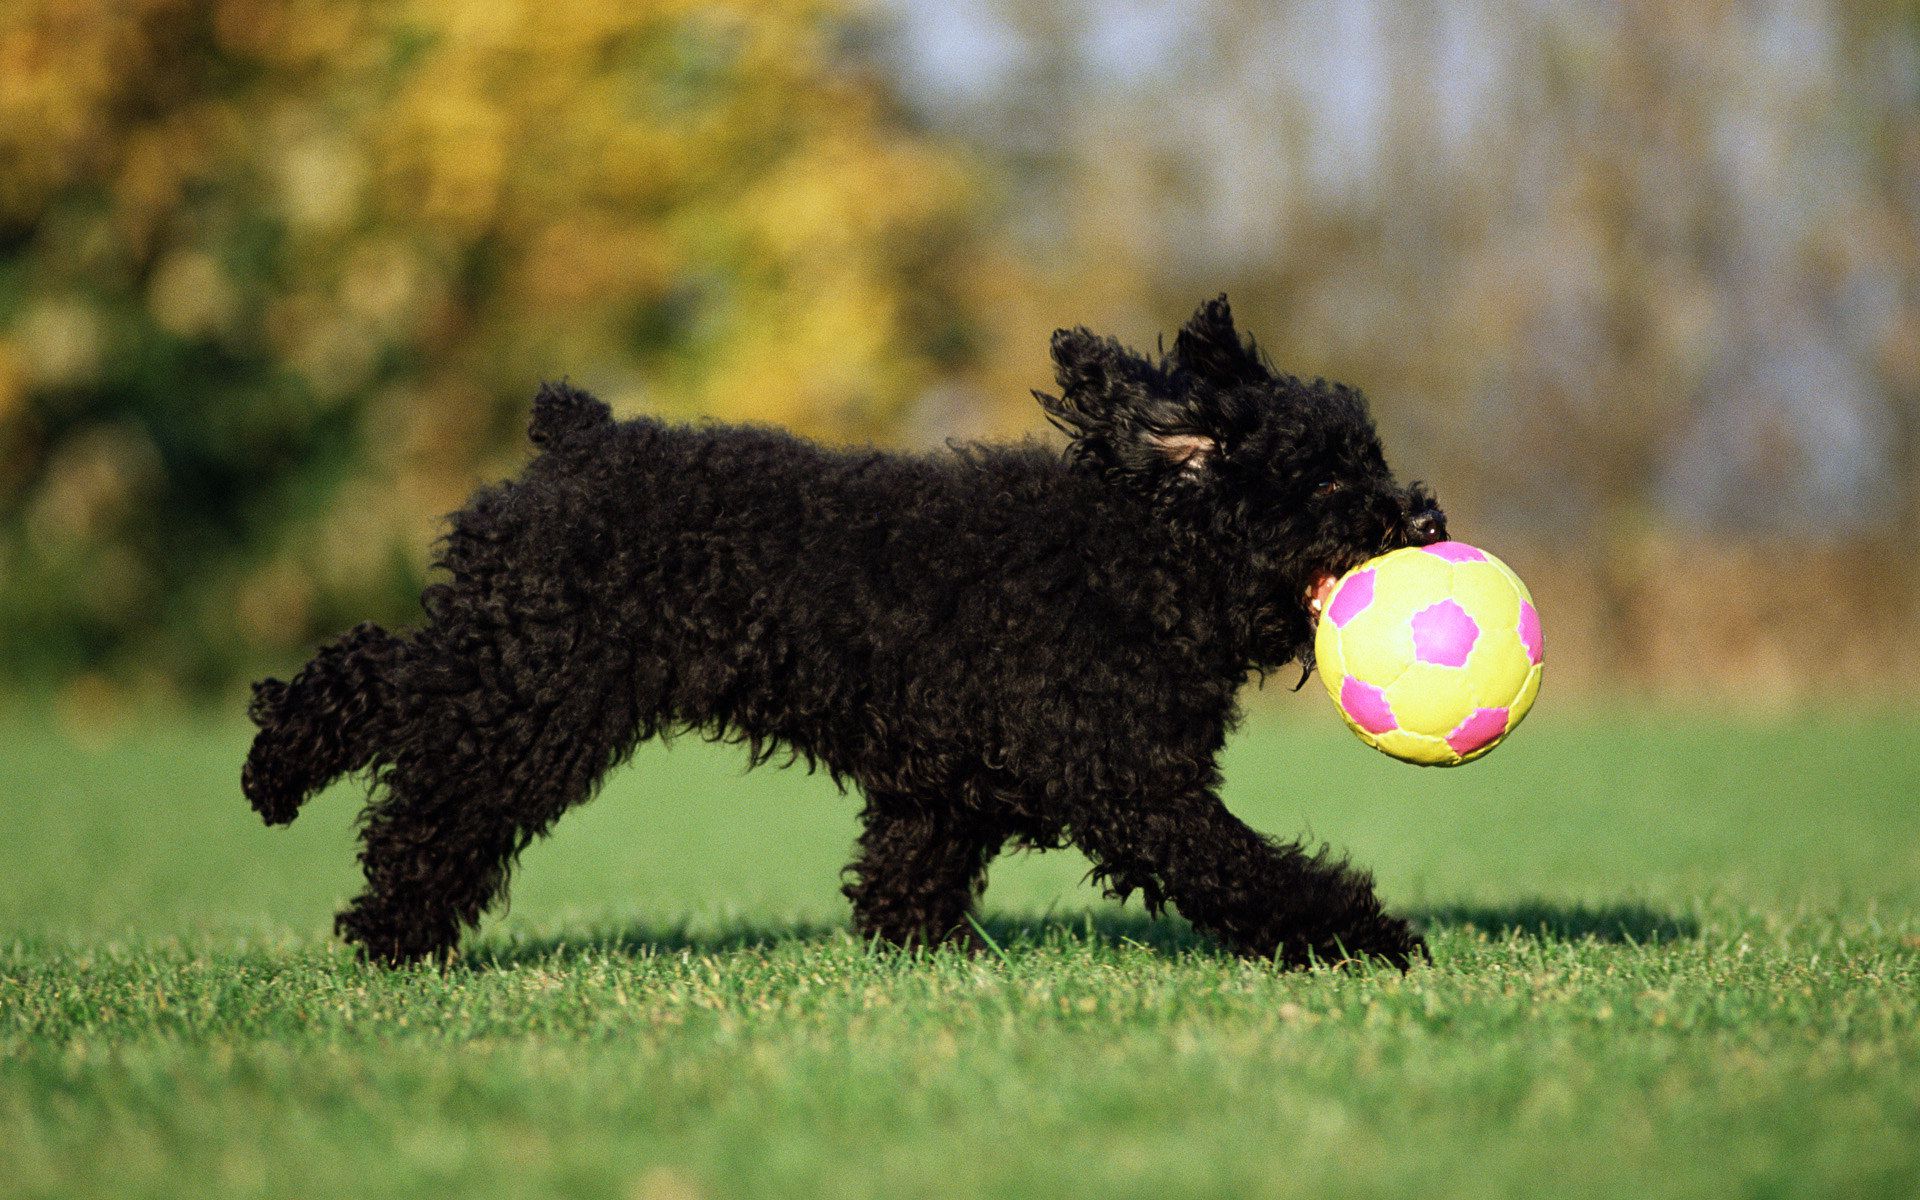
[1319,592]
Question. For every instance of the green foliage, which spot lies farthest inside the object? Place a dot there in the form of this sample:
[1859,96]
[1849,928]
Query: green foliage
[277,281]
[1672,959]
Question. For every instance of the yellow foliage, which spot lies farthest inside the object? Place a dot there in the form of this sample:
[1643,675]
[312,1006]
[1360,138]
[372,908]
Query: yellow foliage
[406,216]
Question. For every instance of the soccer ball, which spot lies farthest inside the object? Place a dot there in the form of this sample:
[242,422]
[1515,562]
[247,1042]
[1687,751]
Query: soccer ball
[1431,653]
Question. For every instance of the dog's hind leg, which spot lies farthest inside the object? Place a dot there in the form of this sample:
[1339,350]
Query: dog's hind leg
[1260,897]
[329,721]
[919,871]
[494,755]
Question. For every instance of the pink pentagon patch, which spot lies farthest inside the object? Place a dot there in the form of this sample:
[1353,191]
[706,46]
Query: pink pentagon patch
[1367,705]
[1456,552]
[1530,633]
[1354,595]
[1477,730]
[1444,634]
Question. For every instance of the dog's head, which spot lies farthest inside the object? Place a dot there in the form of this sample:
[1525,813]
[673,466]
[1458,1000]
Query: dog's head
[1283,478]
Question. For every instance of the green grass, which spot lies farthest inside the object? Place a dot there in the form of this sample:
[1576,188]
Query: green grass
[1671,959]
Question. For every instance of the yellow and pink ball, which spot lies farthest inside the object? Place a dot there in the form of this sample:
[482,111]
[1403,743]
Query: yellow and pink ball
[1432,654]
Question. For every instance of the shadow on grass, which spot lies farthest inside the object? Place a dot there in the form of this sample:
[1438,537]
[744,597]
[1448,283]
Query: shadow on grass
[1111,927]
[1552,921]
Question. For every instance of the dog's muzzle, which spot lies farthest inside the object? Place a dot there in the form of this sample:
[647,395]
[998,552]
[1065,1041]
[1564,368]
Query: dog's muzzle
[1426,527]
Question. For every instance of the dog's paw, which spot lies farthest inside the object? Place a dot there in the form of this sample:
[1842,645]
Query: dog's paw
[1385,938]
[960,938]
[387,942]
[1397,943]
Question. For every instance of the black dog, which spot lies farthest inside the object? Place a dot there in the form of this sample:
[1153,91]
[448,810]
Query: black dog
[997,644]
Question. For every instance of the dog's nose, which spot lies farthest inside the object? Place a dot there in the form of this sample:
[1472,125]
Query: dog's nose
[1426,527]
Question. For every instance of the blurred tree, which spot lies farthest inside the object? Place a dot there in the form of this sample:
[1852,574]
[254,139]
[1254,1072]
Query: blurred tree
[1636,285]
[277,278]
[1670,249]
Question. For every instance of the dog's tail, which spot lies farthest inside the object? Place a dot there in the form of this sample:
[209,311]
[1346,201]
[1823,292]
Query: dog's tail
[560,411]
[331,720]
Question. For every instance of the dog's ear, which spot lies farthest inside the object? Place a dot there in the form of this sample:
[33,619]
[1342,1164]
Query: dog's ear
[1121,410]
[1210,347]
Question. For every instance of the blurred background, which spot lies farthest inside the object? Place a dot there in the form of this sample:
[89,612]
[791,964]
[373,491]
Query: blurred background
[1635,286]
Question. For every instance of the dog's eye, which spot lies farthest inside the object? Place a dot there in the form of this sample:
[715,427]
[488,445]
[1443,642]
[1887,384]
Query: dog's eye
[1327,487]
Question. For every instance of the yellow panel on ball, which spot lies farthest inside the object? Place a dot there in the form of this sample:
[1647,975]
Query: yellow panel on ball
[1519,585]
[1528,691]
[1498,667]
[1415,748]
[1327,654]
[1486,590]
[1377,644]
[1431,699]
[1408,580]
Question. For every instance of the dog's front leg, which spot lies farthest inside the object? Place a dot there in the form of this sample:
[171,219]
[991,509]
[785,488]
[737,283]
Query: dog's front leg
[1258,896]
[921,866]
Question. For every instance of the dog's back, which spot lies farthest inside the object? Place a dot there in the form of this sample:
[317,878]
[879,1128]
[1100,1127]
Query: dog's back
[759,584]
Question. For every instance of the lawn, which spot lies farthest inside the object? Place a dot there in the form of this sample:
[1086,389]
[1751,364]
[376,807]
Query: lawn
[1671,959]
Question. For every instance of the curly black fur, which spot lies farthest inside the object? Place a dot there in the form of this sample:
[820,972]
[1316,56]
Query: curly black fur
[997,644]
